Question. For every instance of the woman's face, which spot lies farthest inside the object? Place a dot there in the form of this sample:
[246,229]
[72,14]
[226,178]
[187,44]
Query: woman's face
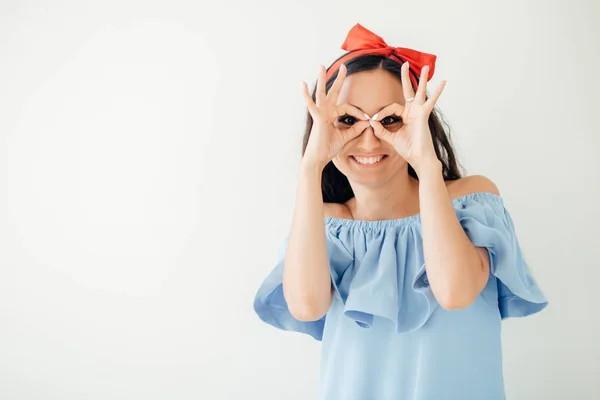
[370,91]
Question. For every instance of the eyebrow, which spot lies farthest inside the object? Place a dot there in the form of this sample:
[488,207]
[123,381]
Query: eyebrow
[363,111]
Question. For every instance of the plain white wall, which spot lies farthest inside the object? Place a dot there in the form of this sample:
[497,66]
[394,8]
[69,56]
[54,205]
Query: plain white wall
[149,155]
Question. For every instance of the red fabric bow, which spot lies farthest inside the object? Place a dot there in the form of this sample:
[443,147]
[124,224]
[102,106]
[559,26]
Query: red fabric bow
[361,41]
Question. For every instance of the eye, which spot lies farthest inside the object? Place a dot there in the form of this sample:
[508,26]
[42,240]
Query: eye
[347,119]
[391,119]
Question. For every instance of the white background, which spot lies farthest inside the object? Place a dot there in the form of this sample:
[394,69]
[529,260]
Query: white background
[149,155]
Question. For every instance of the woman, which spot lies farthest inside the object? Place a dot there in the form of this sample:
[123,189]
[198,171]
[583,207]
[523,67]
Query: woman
[403,268]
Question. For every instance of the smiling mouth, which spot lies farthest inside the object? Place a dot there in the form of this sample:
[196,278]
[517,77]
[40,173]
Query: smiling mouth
[369,161]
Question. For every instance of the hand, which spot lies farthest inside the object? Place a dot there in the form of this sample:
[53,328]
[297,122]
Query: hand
[413,139]
[326,139]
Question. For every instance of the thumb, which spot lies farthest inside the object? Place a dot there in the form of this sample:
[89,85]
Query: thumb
[355,131]
[380,131]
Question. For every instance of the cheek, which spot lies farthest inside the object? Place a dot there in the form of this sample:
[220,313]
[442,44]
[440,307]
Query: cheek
[340,162]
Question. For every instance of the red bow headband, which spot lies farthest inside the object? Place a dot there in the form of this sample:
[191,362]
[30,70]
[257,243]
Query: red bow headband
[361,41]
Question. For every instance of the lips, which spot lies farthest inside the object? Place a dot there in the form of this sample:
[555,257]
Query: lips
[368,160]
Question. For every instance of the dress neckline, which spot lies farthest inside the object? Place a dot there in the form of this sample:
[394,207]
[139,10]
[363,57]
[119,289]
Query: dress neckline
[411,219]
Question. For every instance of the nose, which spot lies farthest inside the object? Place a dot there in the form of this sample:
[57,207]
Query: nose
[367,141]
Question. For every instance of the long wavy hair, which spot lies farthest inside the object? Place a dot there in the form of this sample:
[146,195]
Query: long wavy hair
[334,185]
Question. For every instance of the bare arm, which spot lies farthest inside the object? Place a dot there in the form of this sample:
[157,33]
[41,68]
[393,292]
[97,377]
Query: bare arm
[306,278]
[307,286]
[457,270]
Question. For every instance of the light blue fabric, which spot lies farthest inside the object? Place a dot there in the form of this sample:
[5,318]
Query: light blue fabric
[385,335]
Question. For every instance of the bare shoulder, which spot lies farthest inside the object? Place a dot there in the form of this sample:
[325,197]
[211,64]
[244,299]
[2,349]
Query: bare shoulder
[336,210]
[471,184]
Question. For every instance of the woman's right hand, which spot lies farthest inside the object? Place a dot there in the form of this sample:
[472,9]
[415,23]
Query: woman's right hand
[330,131]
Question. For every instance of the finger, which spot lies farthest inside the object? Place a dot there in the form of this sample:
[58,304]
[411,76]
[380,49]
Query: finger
[430,103]
[320,93]
[392,109]
[334,92]
[379,130]
[310,104]
[407,89]
[421,90]
[355,131]
[349,109]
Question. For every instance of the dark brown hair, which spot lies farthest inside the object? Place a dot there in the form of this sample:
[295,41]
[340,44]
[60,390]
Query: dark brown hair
[334,185]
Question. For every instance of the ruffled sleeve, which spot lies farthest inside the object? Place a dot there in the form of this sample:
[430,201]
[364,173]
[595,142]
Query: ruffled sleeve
[380,278]
[270,304]
[487,223]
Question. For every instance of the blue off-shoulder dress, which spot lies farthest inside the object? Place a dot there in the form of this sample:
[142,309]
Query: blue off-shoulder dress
[385,336]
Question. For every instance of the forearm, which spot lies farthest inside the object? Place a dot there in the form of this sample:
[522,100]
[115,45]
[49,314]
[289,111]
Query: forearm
[306,277]
[451,259]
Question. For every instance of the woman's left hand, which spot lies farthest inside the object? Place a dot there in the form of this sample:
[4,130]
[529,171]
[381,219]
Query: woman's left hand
[413,139]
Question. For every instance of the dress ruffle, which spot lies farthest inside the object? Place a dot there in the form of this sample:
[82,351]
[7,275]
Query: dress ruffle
[388,282]
[490,225]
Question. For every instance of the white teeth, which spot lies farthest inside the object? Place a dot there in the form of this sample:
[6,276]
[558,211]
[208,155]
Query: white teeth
[368,160]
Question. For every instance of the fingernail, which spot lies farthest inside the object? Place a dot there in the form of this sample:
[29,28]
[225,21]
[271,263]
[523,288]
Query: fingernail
[367,117]
[375,117]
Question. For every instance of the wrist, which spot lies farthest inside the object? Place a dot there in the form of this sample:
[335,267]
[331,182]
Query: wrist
[310,166]
[427,166]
